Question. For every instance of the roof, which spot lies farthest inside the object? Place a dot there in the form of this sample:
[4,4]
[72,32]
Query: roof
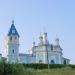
[22,54]
[13,30]
[66,58]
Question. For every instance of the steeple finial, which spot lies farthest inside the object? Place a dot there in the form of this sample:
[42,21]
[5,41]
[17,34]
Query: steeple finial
[33,42]
[57,40]
[12,21]
[44,29]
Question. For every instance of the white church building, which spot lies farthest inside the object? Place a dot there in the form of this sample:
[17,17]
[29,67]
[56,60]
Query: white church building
[44,52]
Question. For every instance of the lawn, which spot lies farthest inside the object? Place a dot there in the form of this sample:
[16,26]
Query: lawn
[36,69]
[62,71]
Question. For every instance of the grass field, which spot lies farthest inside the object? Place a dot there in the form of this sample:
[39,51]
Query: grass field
[36,69]
[62,71]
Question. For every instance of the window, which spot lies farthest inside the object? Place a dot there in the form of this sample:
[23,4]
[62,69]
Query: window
[65,62]
[52,62]
[11,38]
[13,51]
[15,37]
[13,31]
[40,61]
[51,47]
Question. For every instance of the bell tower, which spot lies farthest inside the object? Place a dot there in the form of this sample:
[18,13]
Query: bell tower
[13,45]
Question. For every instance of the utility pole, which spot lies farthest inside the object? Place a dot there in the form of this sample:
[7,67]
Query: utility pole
[47,56]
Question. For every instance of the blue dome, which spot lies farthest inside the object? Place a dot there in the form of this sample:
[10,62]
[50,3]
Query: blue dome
[13,30]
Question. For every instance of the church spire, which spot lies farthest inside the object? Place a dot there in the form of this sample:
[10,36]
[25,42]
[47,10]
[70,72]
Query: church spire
[13,30]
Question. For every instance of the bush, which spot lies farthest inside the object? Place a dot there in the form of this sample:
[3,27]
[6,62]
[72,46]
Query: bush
[43,66]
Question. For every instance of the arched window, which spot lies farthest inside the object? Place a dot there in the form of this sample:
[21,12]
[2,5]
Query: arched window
[52,62]
[15,37]
[51,47]
[13,51]
[11,38]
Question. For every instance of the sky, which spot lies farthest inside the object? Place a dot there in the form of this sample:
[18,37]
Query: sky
[32,17]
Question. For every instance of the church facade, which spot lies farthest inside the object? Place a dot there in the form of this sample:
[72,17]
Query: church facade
[44,52]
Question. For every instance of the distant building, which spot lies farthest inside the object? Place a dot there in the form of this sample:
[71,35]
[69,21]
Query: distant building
[44,52]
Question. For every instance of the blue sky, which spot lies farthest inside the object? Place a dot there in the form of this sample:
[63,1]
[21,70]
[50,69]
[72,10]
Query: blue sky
[56,17]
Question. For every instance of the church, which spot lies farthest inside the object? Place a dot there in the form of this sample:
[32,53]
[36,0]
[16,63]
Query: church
[44,52]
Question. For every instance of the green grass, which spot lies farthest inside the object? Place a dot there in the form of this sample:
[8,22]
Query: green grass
[62,71]
[36,69]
